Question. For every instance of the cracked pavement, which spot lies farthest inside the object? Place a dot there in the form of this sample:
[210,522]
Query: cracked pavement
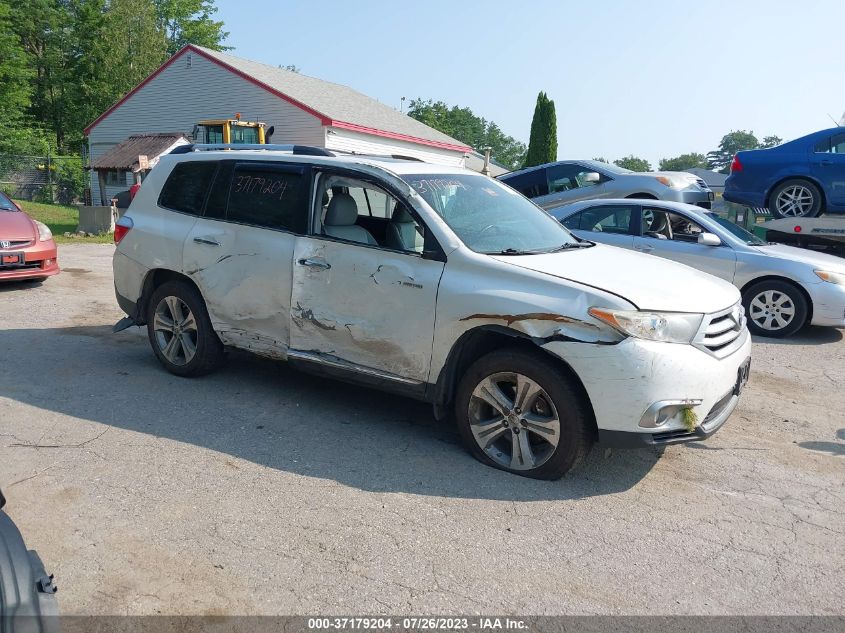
[260,490]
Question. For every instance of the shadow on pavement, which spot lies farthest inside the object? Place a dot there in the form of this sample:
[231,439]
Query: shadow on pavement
[263,411]
[810,335]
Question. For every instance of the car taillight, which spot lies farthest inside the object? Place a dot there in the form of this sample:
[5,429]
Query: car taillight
[121,228]
[735,164]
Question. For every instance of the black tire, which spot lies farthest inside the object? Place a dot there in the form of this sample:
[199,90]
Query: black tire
[785,295]
[567,402]
[209,351]
[642,196]
[814,207]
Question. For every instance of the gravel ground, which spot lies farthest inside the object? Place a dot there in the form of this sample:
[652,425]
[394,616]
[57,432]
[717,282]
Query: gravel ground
[261,490]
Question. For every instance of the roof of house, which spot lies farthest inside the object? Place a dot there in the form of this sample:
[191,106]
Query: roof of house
[124,155]
[334,104]
[712,178]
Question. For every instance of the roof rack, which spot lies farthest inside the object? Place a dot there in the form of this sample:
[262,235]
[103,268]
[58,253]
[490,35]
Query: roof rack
[304,150]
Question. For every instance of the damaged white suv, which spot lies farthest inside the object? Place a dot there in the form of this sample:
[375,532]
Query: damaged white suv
[434,282]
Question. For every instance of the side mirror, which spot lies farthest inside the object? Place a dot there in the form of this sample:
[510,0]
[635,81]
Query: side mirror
[591,176]
[709,239]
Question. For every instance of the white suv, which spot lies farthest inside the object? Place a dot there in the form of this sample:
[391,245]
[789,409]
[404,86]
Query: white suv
[435,282]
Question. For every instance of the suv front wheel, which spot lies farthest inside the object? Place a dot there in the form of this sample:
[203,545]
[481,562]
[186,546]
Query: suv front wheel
[180,330]
[518,412]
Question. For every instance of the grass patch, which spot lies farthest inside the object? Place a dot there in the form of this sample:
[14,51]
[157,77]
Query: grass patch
[61,219]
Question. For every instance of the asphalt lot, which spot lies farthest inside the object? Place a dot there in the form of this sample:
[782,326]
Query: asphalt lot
[264,491]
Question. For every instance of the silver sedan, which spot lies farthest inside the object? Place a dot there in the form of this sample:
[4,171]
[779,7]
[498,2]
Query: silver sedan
[783,288]
[555,184]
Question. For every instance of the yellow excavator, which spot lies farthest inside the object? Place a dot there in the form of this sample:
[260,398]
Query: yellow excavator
[232,131]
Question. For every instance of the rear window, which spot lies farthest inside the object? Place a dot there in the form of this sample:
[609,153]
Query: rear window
[187,186]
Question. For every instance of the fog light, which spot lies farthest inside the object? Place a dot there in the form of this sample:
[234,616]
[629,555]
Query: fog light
[661,412]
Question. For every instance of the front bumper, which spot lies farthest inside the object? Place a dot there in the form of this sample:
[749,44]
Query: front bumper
[623,381]
[828,304]
[39,261]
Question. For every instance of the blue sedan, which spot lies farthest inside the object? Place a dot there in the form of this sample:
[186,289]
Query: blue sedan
[799,179]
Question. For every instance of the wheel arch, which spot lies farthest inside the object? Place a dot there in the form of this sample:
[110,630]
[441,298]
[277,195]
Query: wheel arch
[785,280]
[481,340]
[153,279]
[806,177]
[642,196]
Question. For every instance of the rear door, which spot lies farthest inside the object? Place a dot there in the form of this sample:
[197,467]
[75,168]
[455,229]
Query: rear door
[570,182]
[240,252]
[674,235]
[827,164]
[612,224]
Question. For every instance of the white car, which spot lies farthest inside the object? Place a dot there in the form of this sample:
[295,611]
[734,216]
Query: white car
[783,287]
[434,282]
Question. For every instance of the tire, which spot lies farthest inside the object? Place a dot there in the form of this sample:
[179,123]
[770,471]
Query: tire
[795,198]
[642,196]
[197,350]
[553,403]
[772,302]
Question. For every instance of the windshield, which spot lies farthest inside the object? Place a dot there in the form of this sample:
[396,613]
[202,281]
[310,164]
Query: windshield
[736,230]
[490,217]
[6,204]
[609,167]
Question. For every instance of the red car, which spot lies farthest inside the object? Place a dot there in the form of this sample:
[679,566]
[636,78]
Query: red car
[27,249]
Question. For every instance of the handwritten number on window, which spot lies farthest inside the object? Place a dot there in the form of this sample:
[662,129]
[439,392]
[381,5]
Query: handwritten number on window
[260,186]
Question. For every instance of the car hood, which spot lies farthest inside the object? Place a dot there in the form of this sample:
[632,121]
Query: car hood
[820,261]
[16,225]
[649,282]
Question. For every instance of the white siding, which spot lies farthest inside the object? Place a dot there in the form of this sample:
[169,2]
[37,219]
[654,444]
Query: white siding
[179,96]
[349,141]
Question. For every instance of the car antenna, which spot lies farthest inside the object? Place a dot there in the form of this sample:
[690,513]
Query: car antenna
[835,122]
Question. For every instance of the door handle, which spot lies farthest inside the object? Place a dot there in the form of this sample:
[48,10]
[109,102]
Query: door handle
[314,263]
[645,248]
[210,241]
[827,162]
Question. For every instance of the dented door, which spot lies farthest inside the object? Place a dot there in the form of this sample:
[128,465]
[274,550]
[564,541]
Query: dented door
[363,305]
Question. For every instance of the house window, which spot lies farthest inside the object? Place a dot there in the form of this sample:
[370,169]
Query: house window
[115,178]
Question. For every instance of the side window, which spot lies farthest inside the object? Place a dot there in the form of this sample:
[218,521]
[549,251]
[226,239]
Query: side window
[573,222]
[656,224]
[607,219]
[683,229]
[568,177]
[215,206]
[264,195]
[833,145]
[187,186]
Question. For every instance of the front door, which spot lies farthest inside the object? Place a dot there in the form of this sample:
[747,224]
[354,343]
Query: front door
[827,164]
[360,297]
[240,252]
[674,236]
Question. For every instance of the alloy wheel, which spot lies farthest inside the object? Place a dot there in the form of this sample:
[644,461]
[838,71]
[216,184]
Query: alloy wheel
[514,421]
[795,201]
[175,330]
[771,310]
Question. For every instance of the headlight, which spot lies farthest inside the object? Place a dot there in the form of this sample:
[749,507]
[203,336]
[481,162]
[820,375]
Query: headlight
[674,182]
[670,327]
[44,232]
[834,278]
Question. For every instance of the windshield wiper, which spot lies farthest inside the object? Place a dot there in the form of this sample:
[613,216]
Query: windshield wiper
[511,251]
[570,245]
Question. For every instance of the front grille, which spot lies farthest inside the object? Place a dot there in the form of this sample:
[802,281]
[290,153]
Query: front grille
[701,183]
[26,266]
[15,244]
[670,437]
[718,408]
[723,332]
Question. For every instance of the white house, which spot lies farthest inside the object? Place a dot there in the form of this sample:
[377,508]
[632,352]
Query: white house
[198,83]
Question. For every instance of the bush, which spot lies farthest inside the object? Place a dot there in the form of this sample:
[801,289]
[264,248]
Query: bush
[70,180]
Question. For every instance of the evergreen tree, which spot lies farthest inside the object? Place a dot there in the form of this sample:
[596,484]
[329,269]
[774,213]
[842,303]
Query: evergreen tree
[542,145]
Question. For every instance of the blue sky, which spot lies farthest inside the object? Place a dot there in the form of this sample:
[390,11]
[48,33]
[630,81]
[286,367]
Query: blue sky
[655,79]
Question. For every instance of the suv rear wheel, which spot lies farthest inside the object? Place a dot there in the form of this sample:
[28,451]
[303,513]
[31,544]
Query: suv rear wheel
[518,412]
[180,331]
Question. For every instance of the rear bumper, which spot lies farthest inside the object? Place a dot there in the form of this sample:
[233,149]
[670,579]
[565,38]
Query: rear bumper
[747,198]
[39,261]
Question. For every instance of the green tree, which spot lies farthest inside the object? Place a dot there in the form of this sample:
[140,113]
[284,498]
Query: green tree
[601,159]
[542,144]
[770,141]
[731,143]
[683,162]
[634,163]
[190,22]
[464,125]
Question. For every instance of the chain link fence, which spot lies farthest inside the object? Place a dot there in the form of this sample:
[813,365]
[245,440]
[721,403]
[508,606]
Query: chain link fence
[48,178]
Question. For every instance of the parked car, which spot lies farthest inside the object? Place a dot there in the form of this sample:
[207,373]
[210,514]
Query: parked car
[799,179]
[783,287]
[434,282]
[27,593]
[27,249]
[556,184]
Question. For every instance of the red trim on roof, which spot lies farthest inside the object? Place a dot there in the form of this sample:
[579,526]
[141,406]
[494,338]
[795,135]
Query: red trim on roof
[322,117]
[396,135]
